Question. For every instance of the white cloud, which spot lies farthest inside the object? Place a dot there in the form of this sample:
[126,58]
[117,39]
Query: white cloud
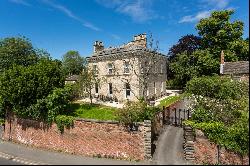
[70,14]
[217,4]
[116,36]
[139,10]
[194,18]
[21,2]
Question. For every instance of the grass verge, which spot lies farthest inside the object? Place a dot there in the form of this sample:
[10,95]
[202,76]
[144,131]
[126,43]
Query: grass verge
[94,111]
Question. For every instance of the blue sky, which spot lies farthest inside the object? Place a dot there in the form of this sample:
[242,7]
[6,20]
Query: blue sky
[61,25]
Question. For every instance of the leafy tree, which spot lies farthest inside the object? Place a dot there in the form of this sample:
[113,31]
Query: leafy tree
[88,80]
[197,64]
[218,33]
[188,43]
[21,87]
[16,50]
[72,63]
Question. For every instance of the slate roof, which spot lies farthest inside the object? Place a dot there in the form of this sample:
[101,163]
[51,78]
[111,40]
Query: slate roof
[121,49]
[72,78]
[240,67]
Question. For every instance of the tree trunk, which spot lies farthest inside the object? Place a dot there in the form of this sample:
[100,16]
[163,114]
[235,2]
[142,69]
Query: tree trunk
[90,96]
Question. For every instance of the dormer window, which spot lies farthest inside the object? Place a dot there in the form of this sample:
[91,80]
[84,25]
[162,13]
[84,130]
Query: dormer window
[126,67]
[110,68]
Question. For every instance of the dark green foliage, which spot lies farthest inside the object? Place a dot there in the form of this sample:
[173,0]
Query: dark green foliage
[63,121]
[221,110]
[136,112]
[57,101]
[21,87]
[197,64]
[217,87]
[218,33]
[16,50]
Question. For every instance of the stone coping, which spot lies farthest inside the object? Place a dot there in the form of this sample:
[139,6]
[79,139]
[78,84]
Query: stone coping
[103,121]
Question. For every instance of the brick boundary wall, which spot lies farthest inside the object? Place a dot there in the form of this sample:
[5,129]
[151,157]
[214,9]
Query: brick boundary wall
[94,138]
[199,150]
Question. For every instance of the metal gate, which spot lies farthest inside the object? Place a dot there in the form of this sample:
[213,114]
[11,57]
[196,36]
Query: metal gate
[175,116]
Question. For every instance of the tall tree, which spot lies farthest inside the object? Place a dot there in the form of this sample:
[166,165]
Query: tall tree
[188,44]
[16,50]
[87,81]
[72,63]
[219,33]
[197,64]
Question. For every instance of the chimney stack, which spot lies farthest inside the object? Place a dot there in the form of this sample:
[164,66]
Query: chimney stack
[141,40]
[98,46]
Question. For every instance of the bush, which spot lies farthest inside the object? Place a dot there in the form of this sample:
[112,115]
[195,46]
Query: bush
[136,112]
[64,121]
[217,87]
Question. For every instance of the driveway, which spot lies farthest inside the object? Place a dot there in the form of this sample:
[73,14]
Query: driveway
[169,150]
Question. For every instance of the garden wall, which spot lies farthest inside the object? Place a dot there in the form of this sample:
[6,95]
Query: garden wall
[206,152]
[87,137]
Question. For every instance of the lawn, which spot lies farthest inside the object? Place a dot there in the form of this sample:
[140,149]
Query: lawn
[94,111]
[168,101]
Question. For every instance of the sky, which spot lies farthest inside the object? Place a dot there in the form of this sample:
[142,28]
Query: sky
[58,26]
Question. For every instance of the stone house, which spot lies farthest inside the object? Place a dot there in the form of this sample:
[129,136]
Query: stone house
[237,70]
[128,72]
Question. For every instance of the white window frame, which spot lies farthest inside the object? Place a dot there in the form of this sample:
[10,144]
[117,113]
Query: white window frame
[110,68]
[127,96]
[154,88]
[110,94]
[96,87]
[126,67]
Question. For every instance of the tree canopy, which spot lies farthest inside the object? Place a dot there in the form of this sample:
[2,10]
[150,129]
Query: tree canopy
[188,43]
[197,56]
[21,87]
[72,63]
[219,33]
[16,50]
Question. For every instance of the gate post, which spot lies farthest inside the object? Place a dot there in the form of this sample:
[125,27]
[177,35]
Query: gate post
[179,116]
[175,120]
[168,115]
[164,116]
[184,114]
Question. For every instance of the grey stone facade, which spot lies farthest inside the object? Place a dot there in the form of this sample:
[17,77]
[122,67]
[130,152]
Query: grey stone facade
[130,71]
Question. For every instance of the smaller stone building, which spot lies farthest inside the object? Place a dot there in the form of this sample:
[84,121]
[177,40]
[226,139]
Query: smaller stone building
[128,72]
[71,79]
[237,70]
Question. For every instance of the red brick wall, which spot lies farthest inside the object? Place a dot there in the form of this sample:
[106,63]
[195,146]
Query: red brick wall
[86,138]
[206,152]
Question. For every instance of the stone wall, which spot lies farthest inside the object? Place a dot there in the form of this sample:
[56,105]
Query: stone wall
[188,144]
[87,137]
[207,152]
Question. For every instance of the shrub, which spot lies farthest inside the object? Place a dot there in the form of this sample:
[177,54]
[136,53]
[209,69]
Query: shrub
[217,87]
[64,121]
[136,112]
